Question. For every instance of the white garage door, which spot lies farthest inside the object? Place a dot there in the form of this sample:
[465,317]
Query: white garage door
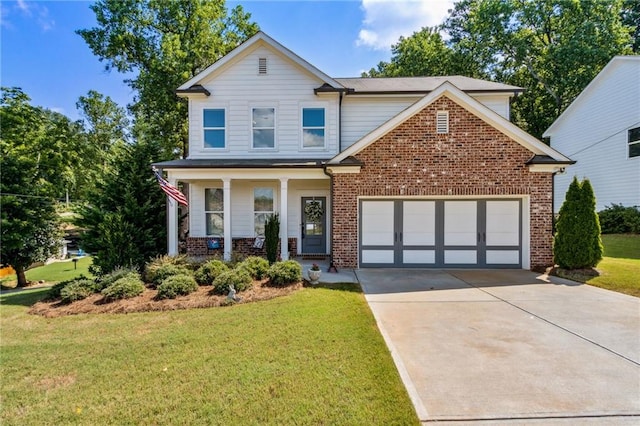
[440,233]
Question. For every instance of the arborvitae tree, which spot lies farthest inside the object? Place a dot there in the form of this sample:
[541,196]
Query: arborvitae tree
[577,242]
[125,219]
[272,237]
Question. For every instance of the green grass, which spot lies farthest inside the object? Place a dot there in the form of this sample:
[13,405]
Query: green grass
[625,246]
[314,357]
[620,267]
[53,272]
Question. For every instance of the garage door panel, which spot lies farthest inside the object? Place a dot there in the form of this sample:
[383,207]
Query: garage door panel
[377,223]
[460,257]
[503,257]
[378,256]
[503,223]
[419,223]
[419,257]
[460,223]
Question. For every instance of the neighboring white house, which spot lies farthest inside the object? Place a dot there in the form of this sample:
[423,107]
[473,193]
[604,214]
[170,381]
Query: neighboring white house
[601,131]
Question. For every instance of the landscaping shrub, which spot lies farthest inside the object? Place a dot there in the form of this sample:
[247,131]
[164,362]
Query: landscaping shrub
[617,219]
[238,278]
[176,285]
[125,288]
[272,237]
[207,273]
[577,243]
[106,280]
[284,273]
[256,266]
[151,268]
[167,270]
[78,289]
[54,292]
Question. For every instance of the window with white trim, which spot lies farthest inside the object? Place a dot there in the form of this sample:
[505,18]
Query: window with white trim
[214,211]
[263,203]
[263,122]
[634,142]
[313,127]
[213,123]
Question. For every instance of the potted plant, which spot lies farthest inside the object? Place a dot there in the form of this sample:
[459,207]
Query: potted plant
[314,273]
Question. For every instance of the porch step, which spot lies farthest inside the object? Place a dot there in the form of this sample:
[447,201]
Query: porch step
[314,256]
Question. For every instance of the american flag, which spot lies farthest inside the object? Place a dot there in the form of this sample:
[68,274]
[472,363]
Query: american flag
[170,190]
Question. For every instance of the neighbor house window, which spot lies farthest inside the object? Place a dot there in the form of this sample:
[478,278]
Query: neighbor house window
[262,208]
[213,124]
[634,142]
[313,127]
[214,211]
[264,127]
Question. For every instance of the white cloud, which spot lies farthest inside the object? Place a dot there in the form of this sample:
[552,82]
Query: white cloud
[386,20]
[30,9]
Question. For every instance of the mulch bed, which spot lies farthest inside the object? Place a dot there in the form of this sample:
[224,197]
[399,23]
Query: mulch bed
[202,298]
[580,275]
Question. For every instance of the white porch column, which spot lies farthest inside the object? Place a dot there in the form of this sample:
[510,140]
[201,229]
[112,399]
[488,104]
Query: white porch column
[172,223]
[284,241]
[226,197]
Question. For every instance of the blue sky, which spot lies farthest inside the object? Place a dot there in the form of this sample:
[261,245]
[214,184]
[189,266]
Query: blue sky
[40,52]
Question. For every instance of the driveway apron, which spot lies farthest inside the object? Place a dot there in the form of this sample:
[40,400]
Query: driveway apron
[509,346]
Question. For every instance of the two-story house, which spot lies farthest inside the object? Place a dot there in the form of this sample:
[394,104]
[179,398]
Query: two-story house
[601,131]
[395,172]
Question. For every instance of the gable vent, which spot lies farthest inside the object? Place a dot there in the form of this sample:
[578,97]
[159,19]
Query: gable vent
[262,66]
[442,122]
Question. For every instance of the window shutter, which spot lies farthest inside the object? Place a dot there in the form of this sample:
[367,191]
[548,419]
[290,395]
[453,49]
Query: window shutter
[442,122]
[262,66]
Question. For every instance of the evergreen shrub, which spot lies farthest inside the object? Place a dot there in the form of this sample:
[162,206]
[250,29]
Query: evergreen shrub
[208,272]
[256,266]
[284,273]
[177,285]
[124,288]
[238,278]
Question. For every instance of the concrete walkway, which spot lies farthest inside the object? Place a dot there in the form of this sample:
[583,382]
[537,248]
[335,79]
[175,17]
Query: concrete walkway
[509,347]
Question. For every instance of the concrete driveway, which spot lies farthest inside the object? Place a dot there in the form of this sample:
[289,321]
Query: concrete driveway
[509,347]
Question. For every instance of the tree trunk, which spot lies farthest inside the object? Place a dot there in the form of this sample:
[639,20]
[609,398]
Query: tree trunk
[22,279]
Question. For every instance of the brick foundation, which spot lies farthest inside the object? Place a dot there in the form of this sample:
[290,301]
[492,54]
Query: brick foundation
[473,159]
[197,246]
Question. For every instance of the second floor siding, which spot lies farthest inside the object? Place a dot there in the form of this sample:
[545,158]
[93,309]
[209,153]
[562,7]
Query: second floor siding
[273,114]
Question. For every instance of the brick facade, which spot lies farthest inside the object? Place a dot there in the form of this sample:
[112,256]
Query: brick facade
[197,246]
[473,159]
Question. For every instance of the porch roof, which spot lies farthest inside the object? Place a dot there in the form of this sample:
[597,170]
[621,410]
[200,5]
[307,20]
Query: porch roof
[242,163]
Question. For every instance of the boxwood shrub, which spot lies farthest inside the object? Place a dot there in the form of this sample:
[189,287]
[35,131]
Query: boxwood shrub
[256,266]
[106,280]
[284,273]
[56,289]
[167,270]
[78,289]
[238,278]
[208,272]
[125,288]
[176,285]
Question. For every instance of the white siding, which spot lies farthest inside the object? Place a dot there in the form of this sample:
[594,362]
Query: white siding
[361,115]
[594,133]
[242,204]
[286,87]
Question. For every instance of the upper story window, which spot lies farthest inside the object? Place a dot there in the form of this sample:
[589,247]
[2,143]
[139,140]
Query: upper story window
[262,208]
[264,127]
[214,211]
[214,129]
[634,142]
[313,127]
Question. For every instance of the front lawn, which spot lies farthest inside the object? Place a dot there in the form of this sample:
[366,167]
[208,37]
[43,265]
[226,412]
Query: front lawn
[314,357]
[620,267]
[53,272]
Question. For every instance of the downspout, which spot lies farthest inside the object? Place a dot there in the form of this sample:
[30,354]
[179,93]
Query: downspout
[332,267]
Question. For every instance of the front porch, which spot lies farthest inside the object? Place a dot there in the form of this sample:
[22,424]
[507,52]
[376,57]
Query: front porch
[231,205]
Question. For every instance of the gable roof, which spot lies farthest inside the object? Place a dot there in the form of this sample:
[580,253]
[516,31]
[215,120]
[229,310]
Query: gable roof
[467,102]
[602,75]
[423,84]
[259,37]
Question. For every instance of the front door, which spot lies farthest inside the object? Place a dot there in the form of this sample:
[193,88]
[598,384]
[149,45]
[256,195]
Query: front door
[314,221]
